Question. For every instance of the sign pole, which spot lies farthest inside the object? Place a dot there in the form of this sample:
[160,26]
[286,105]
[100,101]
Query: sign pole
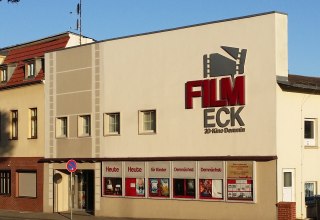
[71,196]
[71,167]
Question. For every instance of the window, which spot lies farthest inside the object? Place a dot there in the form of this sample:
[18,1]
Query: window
[33,123]
[5,182]
[287,179]
[147,121]
[30,70]
[84,123]
[14,124]
[112,124]
[4,74]
[62,127]
[27,184]
[310,132]
[310,190]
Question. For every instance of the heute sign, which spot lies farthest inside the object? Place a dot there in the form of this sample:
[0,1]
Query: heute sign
[222,91]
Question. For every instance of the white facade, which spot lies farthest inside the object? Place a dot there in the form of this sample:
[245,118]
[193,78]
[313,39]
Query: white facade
[137,92]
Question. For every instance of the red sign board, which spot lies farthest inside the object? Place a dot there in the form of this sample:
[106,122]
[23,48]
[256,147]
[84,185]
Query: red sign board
[71,166]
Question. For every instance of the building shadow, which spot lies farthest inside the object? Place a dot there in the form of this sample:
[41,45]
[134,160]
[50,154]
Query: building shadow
[6,144]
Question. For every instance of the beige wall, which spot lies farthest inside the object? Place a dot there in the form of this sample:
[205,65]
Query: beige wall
[22,99]
[70,89]
[75,40]
[265,206]
[150,72]
[293,108]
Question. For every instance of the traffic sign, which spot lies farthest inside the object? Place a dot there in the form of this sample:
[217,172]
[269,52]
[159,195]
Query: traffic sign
[71,166]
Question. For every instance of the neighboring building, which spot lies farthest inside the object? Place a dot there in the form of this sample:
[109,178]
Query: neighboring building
[22,76]
[198,122]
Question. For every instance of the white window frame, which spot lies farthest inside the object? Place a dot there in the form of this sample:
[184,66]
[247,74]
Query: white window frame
[30,69]
[84,125]
[314,187]
[112,127]
[143,114]
[61,127]
[4,74]
[310,141]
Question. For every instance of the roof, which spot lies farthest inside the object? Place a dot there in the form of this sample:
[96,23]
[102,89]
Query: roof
[301,83]
[59,35]
[19,54]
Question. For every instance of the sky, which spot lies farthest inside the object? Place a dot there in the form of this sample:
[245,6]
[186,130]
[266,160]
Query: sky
[104,19]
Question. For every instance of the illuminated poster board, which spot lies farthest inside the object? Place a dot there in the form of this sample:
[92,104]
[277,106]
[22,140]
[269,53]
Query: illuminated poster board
[159,179]
[112,178]
[134,179]
[240,180]
[211,180]
[184,179]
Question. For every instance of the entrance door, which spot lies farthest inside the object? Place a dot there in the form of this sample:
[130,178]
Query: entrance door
[84,190]
[288,194]
[61,191]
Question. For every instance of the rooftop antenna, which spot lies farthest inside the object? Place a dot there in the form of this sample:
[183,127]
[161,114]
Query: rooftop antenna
[79,25]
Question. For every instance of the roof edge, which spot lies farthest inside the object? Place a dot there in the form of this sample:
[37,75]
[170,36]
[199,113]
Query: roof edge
[43,39]
[284,82]
[194,25]
[176,28]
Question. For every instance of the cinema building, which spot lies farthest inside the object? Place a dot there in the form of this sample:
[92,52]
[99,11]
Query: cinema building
[197,122]
[22,75]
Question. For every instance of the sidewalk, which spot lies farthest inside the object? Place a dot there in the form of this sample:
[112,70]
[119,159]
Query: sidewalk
[11,215]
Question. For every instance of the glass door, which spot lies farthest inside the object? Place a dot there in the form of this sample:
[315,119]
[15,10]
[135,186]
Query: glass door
[83,190]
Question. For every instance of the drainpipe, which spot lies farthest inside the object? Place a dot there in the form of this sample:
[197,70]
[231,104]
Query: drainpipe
[302,146]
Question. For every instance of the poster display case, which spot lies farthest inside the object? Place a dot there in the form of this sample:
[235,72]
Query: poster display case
[203,180]
[134,179]
[240,180]
[159,179]
[211,176]
[112,178]
[184,176]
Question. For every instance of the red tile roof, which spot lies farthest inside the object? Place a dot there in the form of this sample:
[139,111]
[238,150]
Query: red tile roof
[18,55]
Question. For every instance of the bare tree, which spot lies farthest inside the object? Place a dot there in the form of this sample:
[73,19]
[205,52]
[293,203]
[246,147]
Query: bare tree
[12,1]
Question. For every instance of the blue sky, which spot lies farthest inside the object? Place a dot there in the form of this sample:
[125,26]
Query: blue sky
[104,19]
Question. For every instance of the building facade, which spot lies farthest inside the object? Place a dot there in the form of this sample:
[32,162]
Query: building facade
[198,122]
[22,121]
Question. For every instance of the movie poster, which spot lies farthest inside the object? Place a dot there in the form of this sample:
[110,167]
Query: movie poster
[140,187]
[211,189]
[164,187]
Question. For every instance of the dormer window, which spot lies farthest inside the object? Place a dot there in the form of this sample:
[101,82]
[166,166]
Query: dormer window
[33,67]
[30,70]
[3,74]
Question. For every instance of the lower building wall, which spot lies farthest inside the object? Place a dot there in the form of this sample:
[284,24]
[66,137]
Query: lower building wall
[263,208]
[32,195]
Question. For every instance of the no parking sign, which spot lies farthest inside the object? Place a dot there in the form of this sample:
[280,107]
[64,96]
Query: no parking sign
[71,166]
